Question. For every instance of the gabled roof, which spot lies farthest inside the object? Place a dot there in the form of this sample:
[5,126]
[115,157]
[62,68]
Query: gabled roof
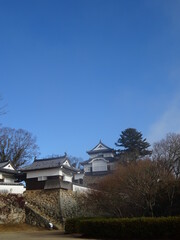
[48,163]
[100,148]
[6,170]
[3,164]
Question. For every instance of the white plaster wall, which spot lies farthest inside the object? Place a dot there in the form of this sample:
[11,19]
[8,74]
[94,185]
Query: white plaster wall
[78,176]
[66,163]
[9,167]
[99,165]
[12,189]
[67,178]
[44,173]
[9,180]
[42,178]
[77,188]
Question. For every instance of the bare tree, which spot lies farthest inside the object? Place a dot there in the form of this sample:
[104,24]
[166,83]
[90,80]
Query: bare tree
[143,188]
[2,107]
[75,161]
[167,152]
[18,146]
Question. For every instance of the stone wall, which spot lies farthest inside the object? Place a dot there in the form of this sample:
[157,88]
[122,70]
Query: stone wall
[42,207]
[45,202]
[69,204]
[35,219]
[73,204]
[92,180]
[55,205]
[11,209]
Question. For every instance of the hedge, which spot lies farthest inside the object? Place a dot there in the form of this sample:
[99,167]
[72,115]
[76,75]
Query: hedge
[122,228]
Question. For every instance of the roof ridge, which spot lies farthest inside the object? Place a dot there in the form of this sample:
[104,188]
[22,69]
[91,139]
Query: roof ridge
[4,163]
[100,142]
[52,158]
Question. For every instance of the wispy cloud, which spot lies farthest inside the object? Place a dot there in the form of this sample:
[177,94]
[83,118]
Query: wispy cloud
[168,122]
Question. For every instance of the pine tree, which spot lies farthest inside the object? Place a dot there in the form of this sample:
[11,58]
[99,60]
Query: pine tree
[131,143]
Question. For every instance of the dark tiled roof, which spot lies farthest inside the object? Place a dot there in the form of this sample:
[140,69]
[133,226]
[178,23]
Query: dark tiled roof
[3,164]
[107,149]
[85,162]
[98,173]
[4,170]
[110,159]
[48,163]
[101,151]
[45,163]
[71,168]
[16,184]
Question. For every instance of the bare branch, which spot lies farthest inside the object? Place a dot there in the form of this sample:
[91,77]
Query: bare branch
[18,146]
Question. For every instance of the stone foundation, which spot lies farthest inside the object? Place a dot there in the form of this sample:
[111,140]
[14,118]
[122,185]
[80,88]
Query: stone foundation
[11,209]
[41,208]
[45,202]
[35,219]
[54,205]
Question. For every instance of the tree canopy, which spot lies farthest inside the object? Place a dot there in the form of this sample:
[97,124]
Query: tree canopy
[132,142]
[138,189]
[167,152]
[18,146]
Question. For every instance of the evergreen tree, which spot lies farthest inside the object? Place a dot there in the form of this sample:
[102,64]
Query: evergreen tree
[131,143]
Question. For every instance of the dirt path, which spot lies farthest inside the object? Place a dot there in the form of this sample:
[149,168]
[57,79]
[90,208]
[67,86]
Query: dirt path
[18,227]
[45,235]
[27,232]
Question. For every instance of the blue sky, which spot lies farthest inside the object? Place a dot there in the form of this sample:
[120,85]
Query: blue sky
[73,72]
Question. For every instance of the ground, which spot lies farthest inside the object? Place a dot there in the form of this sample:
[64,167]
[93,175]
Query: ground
[27,232]
[18,228]
[36,235]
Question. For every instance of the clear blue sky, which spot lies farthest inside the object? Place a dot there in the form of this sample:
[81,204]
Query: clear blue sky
[73,72]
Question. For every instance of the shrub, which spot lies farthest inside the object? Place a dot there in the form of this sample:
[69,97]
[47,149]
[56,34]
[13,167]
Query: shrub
[71,225]
[122,228]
